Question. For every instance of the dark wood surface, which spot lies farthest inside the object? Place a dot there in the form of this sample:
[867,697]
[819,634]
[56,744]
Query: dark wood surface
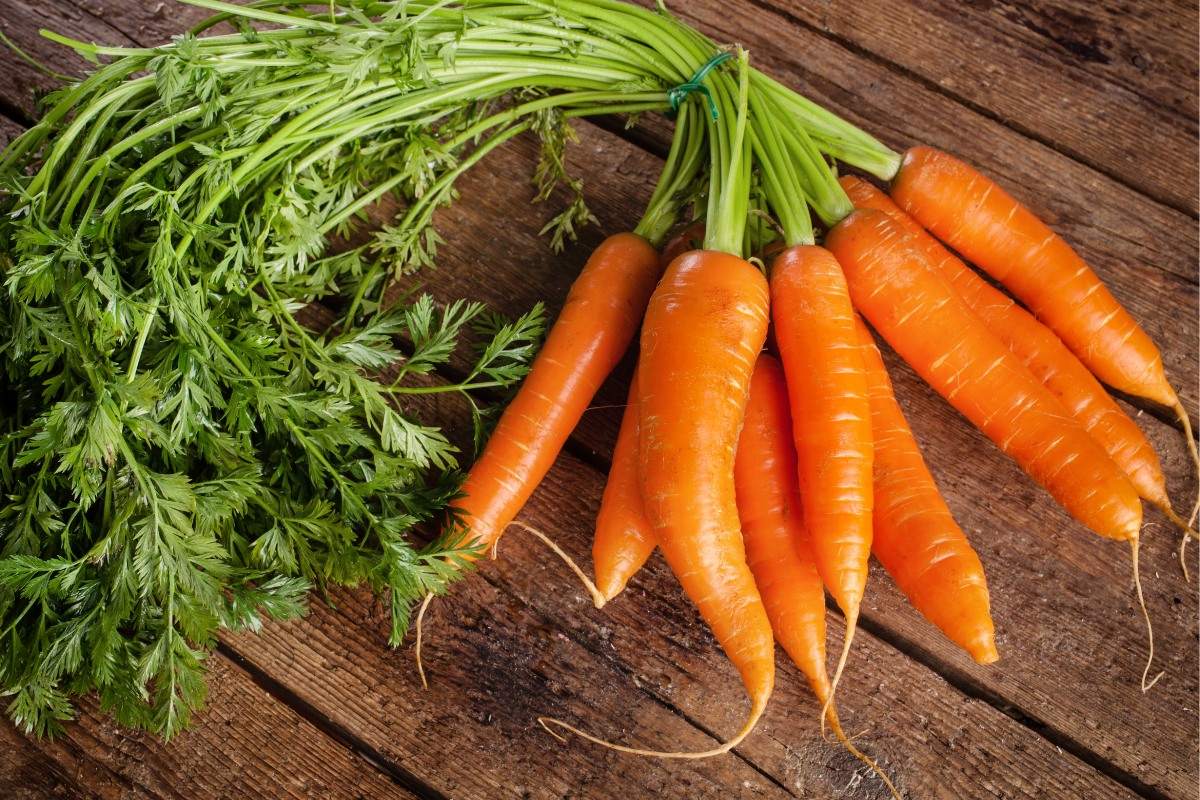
[1085,111]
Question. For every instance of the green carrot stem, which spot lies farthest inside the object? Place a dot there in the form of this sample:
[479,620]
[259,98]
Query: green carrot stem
[869,153]
[783,191]
[818,180]
[729,192]
[683,164]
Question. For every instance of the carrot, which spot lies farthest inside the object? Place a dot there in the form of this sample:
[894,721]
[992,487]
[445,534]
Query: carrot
[917,311]
[1043,352]
[777,547]
[916,538]
[771,512]
[973,215]
[915,308]
[623,539]
[704,328]
[831,416]
[594,329]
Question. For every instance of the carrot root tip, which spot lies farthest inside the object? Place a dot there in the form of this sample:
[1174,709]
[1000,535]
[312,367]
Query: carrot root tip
[851,627]
[545,722]
[417,647]
[1182,414]
[1183,556]
[755,714]
[846,741]
[1137,582]
[598,598]
[863,757]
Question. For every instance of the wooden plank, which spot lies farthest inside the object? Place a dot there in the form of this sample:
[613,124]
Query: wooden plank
[9,130]
[21,23]
[665,680]
[146,24]
[29,774]
[1086,82]
[496,663]
[246,744]
[1041,552]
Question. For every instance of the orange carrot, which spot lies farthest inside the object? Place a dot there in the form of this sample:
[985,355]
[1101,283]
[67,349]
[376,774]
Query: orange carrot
[917,311]
[915,308]
[916,538]
[623,538]
[598,321]
[771,513]
[704,328]
[777,547]
[1040,350]
[973,215]
[831,418]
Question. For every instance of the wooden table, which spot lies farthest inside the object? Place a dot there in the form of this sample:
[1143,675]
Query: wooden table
[1086,111]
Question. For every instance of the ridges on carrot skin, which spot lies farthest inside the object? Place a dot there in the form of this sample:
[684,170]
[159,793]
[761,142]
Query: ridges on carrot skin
[704,328]
[623,539]
[920,315]
[977,218]
[1046,356]
[827,386]
[917,311]
[594,329]
[777,546]
[915,536]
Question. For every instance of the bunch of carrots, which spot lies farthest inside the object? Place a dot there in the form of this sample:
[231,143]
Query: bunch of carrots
[762,449]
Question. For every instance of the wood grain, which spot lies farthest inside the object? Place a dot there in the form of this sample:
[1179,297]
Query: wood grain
[1059,101]
[1087,82]
[247,744]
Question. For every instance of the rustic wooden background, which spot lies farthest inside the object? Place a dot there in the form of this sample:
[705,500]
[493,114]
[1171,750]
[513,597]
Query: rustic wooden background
[1086,110]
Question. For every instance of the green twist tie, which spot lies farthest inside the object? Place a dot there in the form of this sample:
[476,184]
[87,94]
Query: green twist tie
[677,95]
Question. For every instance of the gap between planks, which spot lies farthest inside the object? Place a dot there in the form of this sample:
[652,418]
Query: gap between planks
[954,677]
[339,733]
[581,451]
[331,729]
[983,111]
[963,684]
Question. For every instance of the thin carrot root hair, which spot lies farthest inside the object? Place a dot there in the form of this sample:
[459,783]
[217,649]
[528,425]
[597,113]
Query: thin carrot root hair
[756,713]
[851,627]
[417,647]
[1137,582]
[829,711]
[597,596]
[1188,534]
[1182,414]
[829,714]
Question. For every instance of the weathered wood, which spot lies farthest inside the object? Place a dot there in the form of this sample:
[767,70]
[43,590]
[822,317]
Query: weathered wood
[1045,555]
[9,130]
[246,744]
[495,663]
[1060,716]
[21,22]
[1086,82]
